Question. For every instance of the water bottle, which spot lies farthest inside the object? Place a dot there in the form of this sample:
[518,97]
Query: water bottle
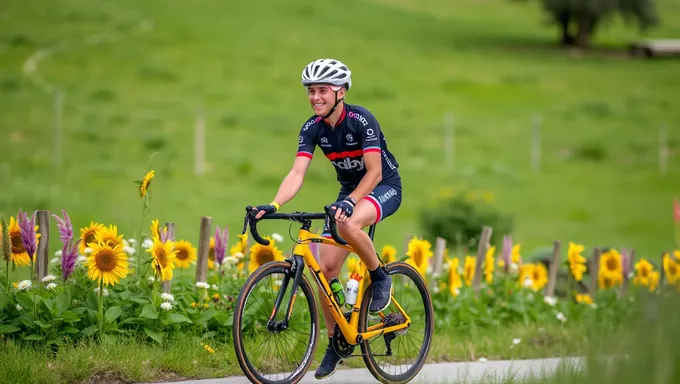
[352,289]
[338,292]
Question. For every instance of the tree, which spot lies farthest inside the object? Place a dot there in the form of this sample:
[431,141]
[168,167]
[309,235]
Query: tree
[579,19]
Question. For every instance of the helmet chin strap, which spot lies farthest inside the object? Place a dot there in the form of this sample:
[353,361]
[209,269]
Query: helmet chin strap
[337,101]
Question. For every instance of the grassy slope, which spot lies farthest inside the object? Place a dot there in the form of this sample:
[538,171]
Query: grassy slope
[489,63]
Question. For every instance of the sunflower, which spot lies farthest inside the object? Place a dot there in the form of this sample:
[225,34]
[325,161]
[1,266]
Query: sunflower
[611,269]
[88,235]
[155,229]
[539,277]
[389,254]
[671,268]
[455,281]
[469,269]
[488,265]
[186,254]
[19,254]
[354,265]
[515,256]
[107,263]
[239,251]
[211,253]
[163,255]
[584,298]
[419,254]
[109,235]
[577,263]
[261,254]
[643,273]
[146,183]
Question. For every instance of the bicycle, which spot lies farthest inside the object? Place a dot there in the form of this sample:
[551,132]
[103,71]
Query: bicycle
[254,326]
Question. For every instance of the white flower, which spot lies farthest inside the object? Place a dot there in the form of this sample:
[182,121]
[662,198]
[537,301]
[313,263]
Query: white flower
[238,255]
[168,297]
[58,253]
[88,250]
[81,259]
[55,260]
[514,269]
[48,278]
[560,316]
[152,279]
[147,243]
[19,307]
[230,260]
[125,243]
[435,289]
[593,306]
[25,285]
[129,250]
[202,284]
[457,291]
[527,282]
[215,288]
[106,291]
[551,301]
[131,259]
[277,237]
[166,306]
[51,286]
[482,360]
[132,241]
[516,341]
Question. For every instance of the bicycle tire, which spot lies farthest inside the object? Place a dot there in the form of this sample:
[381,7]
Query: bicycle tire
[393,269]
[241,356]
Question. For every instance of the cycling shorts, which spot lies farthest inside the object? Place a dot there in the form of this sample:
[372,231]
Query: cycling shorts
[386,198]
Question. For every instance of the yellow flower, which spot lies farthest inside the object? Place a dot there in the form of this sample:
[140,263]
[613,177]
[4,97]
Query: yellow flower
[488,265]
[515,256]
[239,251]
[146,183]
[419,254]
[19,254]
[389,254]
[163,258]
[88,235]
[643,273]
[261,254]
[654,281]
[611,269]
[186,254]
[107,263]
[577,263]
[109,236]
[354,265]
[455,282]
[584,299]
[469,269]
[534,276]
[211,253]
[207,347]
[155,229]
[672,269]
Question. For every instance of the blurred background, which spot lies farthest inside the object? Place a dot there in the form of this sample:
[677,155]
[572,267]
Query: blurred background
[529,116]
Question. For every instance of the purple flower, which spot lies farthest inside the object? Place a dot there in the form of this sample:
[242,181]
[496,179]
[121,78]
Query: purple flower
[69,254]
[625,262]
[507,252]
[221,244]
[166,234]
[27,227]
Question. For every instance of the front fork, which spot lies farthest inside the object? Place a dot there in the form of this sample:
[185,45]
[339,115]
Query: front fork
[297,267]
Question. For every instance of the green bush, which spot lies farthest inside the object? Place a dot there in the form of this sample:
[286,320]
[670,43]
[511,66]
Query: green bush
[460,217]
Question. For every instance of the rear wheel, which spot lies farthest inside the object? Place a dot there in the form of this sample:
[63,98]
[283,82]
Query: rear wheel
[397,357]
[269,354]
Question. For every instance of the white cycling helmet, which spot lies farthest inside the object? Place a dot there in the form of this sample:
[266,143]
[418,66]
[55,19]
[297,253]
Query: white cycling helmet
[327,71]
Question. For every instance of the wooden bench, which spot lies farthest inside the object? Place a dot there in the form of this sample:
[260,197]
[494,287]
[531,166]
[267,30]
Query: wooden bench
[655,48]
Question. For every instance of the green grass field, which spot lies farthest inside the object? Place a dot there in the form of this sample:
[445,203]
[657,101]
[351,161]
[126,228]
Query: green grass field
[135,90]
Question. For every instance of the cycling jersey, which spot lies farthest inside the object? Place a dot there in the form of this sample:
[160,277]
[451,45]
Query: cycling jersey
[356,132]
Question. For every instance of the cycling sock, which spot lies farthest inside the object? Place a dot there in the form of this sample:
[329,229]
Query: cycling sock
[377,275]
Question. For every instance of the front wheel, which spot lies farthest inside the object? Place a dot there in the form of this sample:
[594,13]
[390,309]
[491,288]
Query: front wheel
[271,354]
[397,357]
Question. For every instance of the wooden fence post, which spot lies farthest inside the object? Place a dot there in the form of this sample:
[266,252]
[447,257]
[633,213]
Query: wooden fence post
[203,249]
[42,253]
[594,270]
[170,227]
[552,271]
[627,269]
[481,255]
[440,248]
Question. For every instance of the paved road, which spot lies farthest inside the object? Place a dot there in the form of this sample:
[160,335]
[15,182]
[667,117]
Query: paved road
[463,372]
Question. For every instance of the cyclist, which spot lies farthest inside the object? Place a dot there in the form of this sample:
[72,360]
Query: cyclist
[370,185]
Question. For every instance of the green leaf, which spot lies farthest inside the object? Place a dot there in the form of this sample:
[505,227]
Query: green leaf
[149,312]
[8,328]
[62,302]
[89,331]
[139,300]
[43,325]
[175,318]
[155,335]
[25,300]
[70,317]
[71,330]
[112,314]
[34,337]
[92,301]
[79,311]
[207,315]
[109,339]
[4,300]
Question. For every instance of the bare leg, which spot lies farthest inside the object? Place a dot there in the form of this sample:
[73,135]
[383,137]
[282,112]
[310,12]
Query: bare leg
[330,261]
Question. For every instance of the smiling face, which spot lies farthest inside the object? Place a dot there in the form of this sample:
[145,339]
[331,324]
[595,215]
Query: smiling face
[322,97]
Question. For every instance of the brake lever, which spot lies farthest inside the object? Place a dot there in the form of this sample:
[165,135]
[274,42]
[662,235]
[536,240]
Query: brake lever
[332,228]
[250,218]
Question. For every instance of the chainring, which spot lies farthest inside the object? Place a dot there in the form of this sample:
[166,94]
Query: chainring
[339,343]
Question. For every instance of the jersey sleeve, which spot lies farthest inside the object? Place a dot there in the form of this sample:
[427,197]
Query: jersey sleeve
[306,141]
[370,134]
